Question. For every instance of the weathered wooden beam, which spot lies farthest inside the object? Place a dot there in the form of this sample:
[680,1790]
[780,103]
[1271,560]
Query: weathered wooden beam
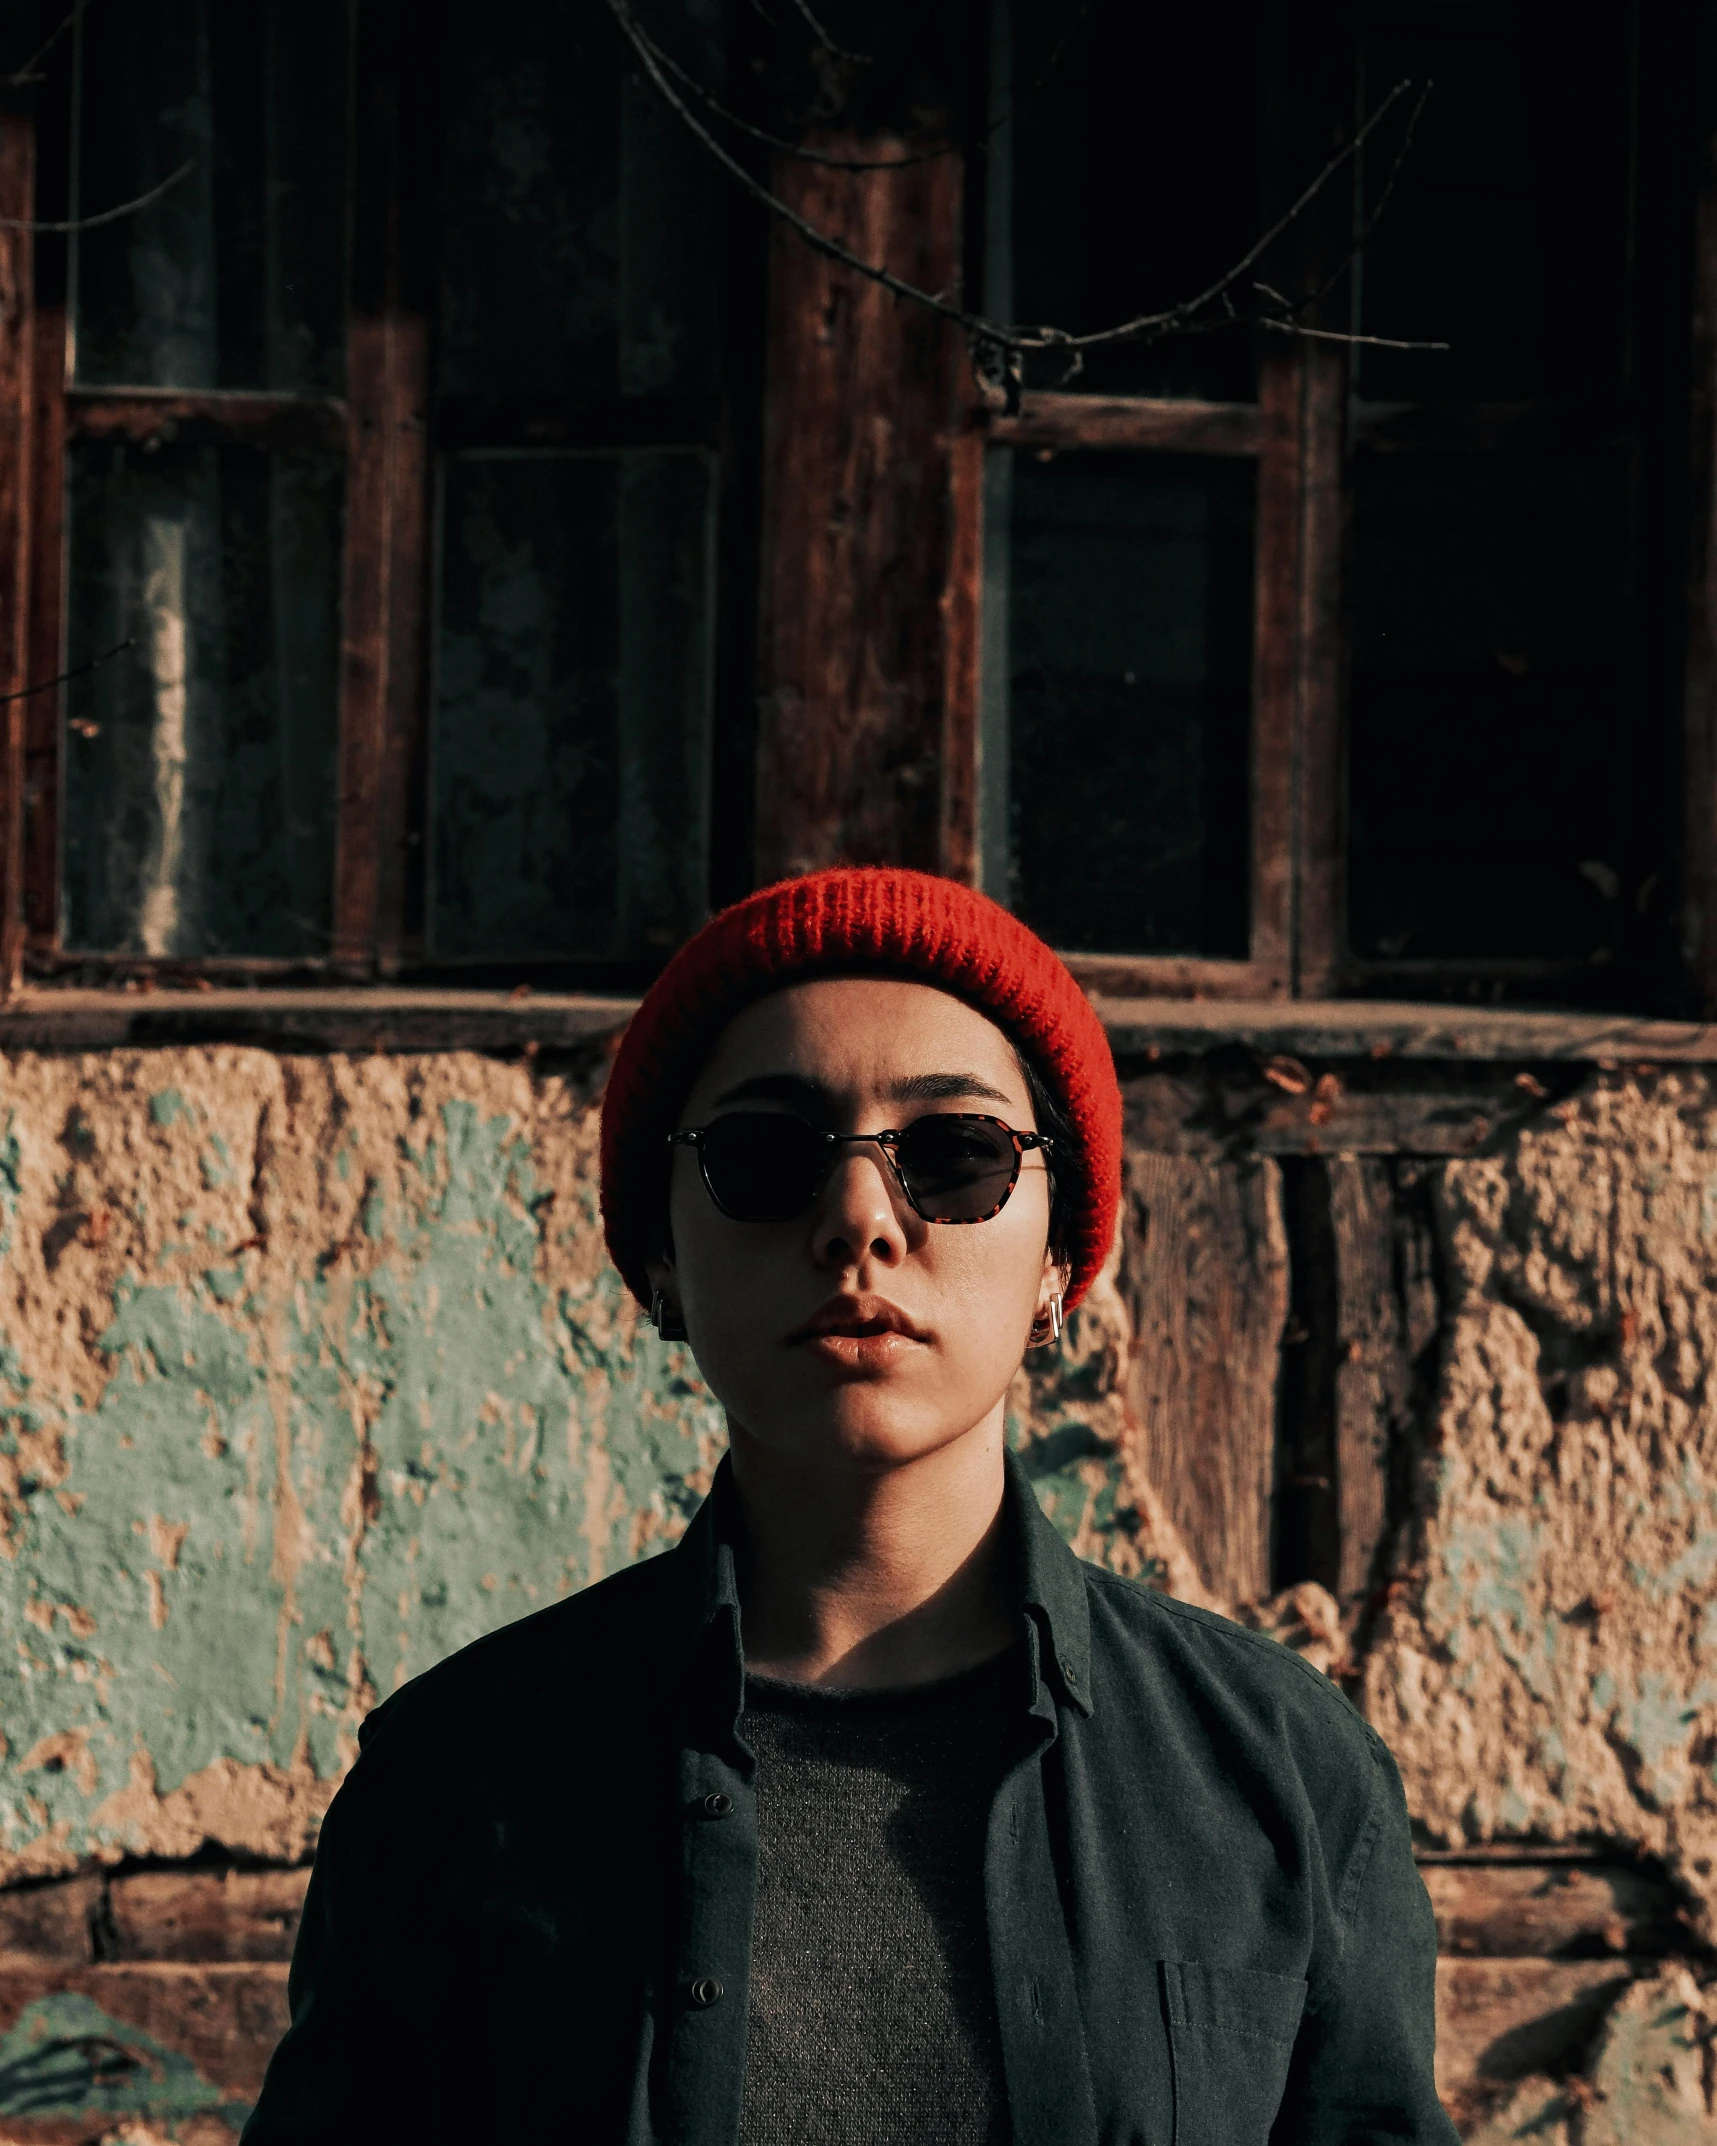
[47,631]
[17,401]
[1373,1365]
[1207,1276]
[1320,906]
[1049,422]
[862,409]
[155,417]
[1553,1911]
[204,1915]
[1699,717]
[1275,665]
[1179,976]
[384,596]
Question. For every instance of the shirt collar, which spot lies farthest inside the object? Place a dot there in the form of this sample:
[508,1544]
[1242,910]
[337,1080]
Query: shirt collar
[1046,1574]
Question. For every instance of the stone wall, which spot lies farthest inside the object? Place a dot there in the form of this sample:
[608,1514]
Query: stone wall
[311,1369]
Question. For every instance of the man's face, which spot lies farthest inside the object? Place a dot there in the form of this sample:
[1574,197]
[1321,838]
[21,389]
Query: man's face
[854,1054]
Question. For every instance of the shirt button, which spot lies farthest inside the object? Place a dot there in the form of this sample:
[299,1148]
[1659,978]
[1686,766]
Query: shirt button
[705,1991]
[717,1805]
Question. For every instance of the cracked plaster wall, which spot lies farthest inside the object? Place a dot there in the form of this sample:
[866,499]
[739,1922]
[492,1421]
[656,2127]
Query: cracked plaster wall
[311,1370]
[1546,1662]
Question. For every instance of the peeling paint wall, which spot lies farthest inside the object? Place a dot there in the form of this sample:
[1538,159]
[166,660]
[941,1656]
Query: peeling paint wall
[312,1369]
[1547,1663]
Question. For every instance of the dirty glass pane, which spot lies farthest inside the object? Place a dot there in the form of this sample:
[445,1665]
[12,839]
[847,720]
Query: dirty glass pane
[578,254]
[1135,181]
[571,729]
[199,763]
[1506,235]
[235,277]
[1128,601]
[1492,732]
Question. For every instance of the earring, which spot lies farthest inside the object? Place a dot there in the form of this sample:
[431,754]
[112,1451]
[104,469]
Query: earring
[1046,1327]
[669,1321]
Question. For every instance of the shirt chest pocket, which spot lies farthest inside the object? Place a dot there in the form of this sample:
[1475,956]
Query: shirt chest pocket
[1231,2034]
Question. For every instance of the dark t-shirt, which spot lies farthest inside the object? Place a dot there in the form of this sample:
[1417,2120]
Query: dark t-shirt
[873,2019]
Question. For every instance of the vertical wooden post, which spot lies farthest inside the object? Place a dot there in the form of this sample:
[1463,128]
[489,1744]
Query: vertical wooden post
[1275,661]
[864,637]
[1320,909]
[47,628]
[1699,894]
[1302,512]
[383,604]
[962,633]
[17,396]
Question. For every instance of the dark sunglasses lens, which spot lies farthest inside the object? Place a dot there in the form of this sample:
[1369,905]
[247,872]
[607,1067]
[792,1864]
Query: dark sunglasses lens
[957,1169]
[760,1166]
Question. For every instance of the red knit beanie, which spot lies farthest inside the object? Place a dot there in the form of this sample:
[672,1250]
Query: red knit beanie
[924,928]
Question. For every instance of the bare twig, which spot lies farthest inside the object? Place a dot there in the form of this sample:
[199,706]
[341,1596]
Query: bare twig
[998,350]
[27,73]
[798,151]
[105,216]
[1190,308]
[838,52]
[1341,335]
[1376,217]
[714,105]
[78,670]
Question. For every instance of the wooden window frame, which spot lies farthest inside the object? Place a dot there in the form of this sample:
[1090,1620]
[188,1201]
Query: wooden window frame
[838,770]
[379,428]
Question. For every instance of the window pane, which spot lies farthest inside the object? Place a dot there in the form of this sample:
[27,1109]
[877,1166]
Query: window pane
[578,255]
[235,277]
[1506,235]
[1493,744]
[1135,183]
[1128,601]
[571,745]
[199,763]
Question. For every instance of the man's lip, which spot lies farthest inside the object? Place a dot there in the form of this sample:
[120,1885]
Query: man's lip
[858,1319]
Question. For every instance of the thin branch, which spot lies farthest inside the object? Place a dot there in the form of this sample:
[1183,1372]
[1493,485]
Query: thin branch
[79,670]
[819,241]
[713,104]
[1338,335]
[106,216]
[1376,217]
[1189,307]
[27,73]
[838,52]
[797,150]
[992,341]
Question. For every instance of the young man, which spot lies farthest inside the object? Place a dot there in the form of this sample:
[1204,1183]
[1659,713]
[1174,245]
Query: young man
[868,1813]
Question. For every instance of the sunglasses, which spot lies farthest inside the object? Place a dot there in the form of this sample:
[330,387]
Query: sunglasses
[767,1166]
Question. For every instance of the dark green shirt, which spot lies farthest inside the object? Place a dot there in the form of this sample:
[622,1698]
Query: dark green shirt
[532,1909]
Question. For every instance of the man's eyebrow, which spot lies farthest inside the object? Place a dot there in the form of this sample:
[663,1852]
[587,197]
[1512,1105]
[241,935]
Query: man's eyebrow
[776,1088]
[943,1088]
[801,1091]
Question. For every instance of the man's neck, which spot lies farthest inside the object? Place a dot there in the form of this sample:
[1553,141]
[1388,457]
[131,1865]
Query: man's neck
[878,1577]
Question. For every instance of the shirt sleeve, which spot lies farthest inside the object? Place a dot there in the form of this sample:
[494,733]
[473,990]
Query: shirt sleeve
[1363,2066]
[321,2081]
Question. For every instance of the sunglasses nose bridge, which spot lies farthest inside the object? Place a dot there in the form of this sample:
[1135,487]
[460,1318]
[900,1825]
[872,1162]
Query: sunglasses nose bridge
[882,1146]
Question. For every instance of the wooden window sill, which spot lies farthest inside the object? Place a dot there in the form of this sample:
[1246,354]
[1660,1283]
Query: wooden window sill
[394,1018]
